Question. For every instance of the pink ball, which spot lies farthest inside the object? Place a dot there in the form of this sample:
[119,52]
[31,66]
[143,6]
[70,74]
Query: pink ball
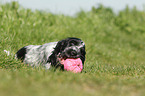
[73,65]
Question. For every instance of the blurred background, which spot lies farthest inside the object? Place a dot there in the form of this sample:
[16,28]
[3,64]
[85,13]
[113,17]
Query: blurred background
[70,7]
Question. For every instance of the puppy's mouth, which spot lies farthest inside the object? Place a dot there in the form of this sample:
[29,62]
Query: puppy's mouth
[71,63]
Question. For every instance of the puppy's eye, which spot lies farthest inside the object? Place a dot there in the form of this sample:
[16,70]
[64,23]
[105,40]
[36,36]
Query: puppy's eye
[72,44]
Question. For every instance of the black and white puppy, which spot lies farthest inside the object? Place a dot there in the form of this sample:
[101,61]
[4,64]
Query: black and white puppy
[50,54]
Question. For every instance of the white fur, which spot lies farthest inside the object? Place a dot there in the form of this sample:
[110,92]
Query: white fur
[38,54]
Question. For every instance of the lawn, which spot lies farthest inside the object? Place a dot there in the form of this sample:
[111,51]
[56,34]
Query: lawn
[115,52]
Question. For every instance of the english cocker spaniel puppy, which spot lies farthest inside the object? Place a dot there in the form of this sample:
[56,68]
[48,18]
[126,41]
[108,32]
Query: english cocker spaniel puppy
[52,54]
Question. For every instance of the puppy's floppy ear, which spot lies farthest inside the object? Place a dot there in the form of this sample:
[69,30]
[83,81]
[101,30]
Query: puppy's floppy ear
[53,57]
[60,46]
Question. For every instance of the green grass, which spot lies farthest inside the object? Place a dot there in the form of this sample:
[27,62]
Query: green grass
[115,46]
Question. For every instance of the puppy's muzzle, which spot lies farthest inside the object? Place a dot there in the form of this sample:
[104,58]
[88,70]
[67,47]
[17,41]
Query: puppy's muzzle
[71,52]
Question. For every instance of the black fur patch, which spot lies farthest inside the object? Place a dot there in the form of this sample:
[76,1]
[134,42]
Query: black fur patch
[21,53]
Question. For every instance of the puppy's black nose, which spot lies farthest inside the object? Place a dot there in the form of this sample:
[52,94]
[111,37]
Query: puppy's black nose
[73,53]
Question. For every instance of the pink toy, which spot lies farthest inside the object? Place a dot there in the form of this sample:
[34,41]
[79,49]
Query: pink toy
[73,65]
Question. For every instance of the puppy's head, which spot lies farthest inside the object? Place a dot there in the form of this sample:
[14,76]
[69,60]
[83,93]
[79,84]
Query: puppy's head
[66,49]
